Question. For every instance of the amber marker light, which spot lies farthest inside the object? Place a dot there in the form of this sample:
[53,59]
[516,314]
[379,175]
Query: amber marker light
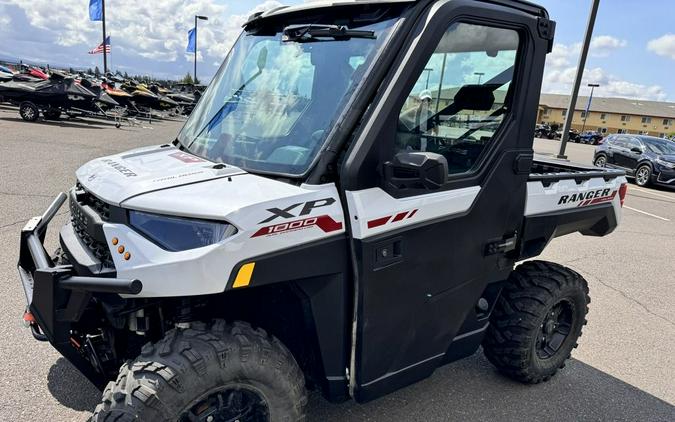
[127,256]
[115,241]
[120,249]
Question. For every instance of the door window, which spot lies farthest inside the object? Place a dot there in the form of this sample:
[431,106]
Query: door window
[461,97]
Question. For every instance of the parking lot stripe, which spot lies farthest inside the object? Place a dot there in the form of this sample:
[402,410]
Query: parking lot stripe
[646,213]
[650,192]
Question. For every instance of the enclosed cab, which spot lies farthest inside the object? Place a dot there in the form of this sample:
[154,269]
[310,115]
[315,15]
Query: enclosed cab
[343,211]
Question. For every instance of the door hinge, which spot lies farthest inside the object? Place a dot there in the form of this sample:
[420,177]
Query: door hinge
[504,245]
[546,28]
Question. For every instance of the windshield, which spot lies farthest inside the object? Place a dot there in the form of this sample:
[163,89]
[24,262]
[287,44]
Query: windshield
[274,100]
[659,146]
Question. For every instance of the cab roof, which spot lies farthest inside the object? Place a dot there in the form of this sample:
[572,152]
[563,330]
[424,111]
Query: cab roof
[282,10]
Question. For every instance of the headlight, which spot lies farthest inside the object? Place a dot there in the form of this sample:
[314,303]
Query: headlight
[177,233]
[665,163]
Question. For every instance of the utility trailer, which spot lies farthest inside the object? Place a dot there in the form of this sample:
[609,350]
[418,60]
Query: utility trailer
[332,216]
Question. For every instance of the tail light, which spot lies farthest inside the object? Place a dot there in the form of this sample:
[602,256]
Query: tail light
[622,193]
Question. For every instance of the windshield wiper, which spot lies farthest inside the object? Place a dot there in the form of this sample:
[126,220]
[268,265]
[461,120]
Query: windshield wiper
[313,32]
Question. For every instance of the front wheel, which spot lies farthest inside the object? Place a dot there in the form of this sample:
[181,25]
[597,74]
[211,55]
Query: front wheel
[225,372]
[537,321]
[600,161]
[643,175]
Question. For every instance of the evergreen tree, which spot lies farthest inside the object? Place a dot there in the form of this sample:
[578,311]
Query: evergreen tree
[97,72]
[187,79]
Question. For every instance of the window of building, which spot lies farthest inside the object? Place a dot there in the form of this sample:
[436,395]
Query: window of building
[547,112]
[644,132]
[625,118]
[583,114]
[564,113]
[602,129]
[662,135]
[667,122]
[603,116]
[446,119]
[646,120]
[621,131]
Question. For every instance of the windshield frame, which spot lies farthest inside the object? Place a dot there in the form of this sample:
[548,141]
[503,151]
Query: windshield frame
[347,102]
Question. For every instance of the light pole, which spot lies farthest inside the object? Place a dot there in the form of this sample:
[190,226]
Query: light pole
[480,75]
[204,18]
[588,106]
[428,70]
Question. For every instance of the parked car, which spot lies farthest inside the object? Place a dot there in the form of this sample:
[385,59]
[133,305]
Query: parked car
[590,137]
[646,158]
[544,131]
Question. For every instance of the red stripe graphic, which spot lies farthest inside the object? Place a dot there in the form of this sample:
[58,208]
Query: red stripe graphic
[597,200]
[384,220]
[378,222]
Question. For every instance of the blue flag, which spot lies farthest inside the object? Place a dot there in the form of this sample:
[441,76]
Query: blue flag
[96,10]
[192,40]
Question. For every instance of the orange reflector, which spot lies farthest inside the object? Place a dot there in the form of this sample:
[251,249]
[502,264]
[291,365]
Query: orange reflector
[115,241]
[244,275]
[28,317]
[120,249]
[127,256]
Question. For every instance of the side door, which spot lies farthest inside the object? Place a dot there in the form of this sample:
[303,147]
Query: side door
[619,150]
[464,89]
[632,156]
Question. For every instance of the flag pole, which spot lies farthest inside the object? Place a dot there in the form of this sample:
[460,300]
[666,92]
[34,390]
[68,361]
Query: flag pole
[105,56]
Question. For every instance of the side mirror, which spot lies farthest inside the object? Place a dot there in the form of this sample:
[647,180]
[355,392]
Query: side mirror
[416,170]
[636,150]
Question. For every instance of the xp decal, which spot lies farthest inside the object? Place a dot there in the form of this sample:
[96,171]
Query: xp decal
[588,198]
[306,209]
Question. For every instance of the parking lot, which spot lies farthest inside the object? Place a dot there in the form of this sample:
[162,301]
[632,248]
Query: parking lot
[624,368]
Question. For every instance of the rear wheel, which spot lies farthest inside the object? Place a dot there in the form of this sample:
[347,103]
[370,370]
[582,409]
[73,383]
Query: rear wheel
[537,321]
[29,111]
[643,175]
[600,160]
[225,372]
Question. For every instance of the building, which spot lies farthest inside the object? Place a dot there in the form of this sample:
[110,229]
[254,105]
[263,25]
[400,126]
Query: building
[611,115]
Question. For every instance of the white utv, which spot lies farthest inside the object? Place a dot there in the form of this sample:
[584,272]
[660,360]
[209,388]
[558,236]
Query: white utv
[343,211]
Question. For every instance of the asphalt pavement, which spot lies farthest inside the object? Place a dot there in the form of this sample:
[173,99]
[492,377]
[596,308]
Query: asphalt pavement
[624,368]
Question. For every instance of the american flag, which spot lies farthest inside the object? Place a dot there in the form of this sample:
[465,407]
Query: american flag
[99,49]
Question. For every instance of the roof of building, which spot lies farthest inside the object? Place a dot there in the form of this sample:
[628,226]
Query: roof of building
[612,105]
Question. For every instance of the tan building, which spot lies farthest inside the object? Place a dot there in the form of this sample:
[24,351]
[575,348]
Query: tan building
[611,115]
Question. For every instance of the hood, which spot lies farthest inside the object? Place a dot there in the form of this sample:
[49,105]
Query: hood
[668,157]
[117,178]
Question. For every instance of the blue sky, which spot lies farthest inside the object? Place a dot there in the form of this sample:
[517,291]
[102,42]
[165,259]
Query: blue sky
[633,54]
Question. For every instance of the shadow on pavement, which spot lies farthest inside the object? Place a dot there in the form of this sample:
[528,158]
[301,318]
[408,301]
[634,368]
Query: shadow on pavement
[468,390]
[70,388]
[471,390]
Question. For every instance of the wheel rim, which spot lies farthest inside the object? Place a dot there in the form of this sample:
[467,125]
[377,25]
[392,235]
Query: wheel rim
[555,329]
[642,175]
[600,162]
[228,405]
[28,112]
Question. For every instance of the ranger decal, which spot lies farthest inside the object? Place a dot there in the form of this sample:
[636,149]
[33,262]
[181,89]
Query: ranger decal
[588,198]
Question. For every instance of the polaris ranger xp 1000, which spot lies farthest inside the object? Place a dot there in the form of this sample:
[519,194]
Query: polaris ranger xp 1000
[343,211]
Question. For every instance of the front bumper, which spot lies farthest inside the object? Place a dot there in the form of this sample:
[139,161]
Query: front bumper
[666,177]
[57,296]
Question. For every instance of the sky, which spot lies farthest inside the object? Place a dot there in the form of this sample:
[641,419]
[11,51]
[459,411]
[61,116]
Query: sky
[632,54]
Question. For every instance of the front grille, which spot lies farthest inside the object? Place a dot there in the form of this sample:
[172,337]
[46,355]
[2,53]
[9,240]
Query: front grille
[85,226]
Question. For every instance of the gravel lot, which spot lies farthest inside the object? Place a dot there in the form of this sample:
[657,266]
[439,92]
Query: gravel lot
[624,368]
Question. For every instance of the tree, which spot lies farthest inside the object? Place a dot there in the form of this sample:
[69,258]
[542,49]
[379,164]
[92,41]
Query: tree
[97,72]
[90,72]
[187,79]
[71,70]
[126,75]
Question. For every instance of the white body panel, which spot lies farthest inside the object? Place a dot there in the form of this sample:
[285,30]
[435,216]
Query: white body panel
[207,270]
[542,200]
[373,211]
[118,177]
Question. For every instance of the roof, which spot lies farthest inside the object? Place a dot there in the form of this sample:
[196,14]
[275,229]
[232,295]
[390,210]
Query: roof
[612,105]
